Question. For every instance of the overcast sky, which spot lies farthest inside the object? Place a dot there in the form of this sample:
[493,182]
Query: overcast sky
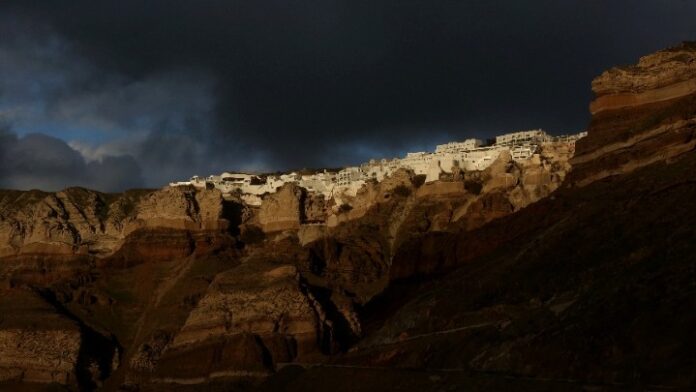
[131,93]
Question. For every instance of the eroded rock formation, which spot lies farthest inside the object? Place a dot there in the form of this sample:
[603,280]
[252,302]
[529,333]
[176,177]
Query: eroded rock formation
[285,286]
[509,271]
[642,114]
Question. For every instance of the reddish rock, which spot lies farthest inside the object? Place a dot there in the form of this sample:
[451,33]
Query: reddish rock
[641,115]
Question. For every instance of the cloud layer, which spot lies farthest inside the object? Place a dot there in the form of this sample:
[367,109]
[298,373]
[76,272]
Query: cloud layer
[171,89]
[37,161]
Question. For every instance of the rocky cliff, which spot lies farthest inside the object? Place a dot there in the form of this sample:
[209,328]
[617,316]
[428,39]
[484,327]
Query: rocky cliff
[551,274]
[588,289]
[42,344]
[642,114]
[80,221]
[181,273]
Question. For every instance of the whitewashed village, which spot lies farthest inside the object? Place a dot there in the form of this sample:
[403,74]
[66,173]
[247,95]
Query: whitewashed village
[468,155]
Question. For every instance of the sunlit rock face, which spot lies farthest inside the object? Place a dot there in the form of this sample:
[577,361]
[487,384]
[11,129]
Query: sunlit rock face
[282,210]
[262,310]
[181,208]
[664,71]
[642,114]
[80,221]
[79,225]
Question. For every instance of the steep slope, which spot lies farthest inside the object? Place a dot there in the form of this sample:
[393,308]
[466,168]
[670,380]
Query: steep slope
[179,274]
[41,343]
[592,288]
[561,299]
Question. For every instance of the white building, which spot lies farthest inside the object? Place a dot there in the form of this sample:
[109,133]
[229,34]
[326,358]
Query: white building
[196,181]
[379,169]
[319,182]
[468,144]
[348,175]
[419,162]
[524,152]
[469,155]
[532,136]
[236,178]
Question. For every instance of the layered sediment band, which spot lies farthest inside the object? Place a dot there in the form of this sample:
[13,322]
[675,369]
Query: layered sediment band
[624,100]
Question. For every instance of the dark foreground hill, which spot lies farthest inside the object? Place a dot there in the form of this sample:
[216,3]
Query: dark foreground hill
[594,287]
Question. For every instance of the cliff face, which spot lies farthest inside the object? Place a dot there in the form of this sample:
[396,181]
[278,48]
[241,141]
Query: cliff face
[282,210]
[190,298]
[666,69]
[259,310]
[41,344]
[507,278]
[80,221]
[590,288]
[48,353]
[642,114]
[77,225]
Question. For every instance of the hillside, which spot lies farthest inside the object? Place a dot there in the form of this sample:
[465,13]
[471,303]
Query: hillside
[533,276]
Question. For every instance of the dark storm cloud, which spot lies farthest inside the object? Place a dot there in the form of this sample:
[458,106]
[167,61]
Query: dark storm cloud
[162,120]
[38,161]
[194,87]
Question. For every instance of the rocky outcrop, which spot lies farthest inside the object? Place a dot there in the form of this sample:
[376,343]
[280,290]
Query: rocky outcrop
[181,208]
[641,115]
[654,75]
[315,208]
[283,210]
[258,298]
[40,344]
[49,223]
[36,343]
[79,221]
[372,194]
[251,318]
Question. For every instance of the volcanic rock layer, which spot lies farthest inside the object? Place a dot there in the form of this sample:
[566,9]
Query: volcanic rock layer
[524,276]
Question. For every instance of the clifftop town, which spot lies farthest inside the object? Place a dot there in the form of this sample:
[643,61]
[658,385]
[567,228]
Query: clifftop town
[454,157]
